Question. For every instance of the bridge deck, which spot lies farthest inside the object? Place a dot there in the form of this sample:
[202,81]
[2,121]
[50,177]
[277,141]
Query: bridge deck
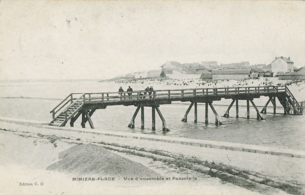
[166,96]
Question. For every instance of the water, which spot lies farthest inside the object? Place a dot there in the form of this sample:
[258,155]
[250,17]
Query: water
[281,131]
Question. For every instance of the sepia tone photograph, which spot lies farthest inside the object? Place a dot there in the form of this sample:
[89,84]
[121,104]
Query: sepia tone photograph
[152,97]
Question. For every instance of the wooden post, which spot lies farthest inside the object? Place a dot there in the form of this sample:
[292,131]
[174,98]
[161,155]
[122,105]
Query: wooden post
[142,117]
[132,123]
[206,113]
[73,119]
[259,116]
[264,110]
[71,98]
[274,105]
[227,113]
[195,112]
[248,110]
[217,118]
[83,119]
[163,120]
[184,119]
[90,121]
[153,116]
[237,108]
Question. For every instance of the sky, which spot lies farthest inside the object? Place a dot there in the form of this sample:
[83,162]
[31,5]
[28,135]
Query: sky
[104,39]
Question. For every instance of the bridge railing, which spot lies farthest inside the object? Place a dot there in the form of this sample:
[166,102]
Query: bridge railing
[178,93]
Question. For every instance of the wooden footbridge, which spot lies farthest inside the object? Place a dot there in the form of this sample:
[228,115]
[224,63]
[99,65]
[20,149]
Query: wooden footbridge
[86,104]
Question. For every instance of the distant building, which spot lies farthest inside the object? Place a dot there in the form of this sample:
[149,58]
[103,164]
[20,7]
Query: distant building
[282,64]
[257,72]
[206,75]
[231,74]
[299,74]
[154,73]
[235,65]
[171,66]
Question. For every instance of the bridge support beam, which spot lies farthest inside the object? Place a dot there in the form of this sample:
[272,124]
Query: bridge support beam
[153,117]
[83,124]
[237,109]
[264,110]
[74,118]
[142,117]
[217,118]
[86,116]
[274,104]
[131,124]
[227,113]
[195,112]
[184,119]
[259,116]
[248,110]
[206,113]
[163,120]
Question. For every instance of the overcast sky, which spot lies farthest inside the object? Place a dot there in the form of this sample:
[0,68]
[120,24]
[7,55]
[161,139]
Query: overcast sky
[99,40]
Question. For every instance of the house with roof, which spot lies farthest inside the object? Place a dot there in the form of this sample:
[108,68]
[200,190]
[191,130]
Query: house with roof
[231,74]
[298,74]
[171,66]
[282,64]
[235,65]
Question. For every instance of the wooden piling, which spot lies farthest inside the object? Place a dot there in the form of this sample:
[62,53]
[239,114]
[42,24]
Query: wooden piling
[195,112]
[227,113]
[248,110]
[206,113]
[74,118]
[274,105]
[217,118]
[184,119]
[163,120]
[132,123]
[264,110]
[237,108]
[142,117]
[83,119]
[153,116]
[90,121]
[259,116]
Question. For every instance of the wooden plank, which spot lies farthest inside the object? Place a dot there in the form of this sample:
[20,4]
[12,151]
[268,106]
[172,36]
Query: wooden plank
[73,119]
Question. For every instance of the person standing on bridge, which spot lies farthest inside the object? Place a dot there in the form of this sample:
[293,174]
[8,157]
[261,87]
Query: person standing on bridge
[121,91]
[129,91]
[151,90]
[146,91]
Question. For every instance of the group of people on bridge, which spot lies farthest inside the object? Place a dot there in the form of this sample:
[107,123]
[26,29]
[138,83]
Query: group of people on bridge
[148,90]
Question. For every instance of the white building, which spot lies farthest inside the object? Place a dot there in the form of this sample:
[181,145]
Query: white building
[282,65]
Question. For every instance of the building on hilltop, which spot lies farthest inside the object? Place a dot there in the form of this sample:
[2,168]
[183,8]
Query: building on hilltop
[282,64]
[171,66]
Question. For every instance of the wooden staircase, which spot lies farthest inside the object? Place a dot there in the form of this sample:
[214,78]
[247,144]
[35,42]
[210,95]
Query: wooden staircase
[290,104]
[67,109]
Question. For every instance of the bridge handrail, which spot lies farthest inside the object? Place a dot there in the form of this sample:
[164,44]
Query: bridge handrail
[140,94]
[62,103]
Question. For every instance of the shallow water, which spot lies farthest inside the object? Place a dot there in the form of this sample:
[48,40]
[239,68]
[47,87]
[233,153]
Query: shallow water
[282,131]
